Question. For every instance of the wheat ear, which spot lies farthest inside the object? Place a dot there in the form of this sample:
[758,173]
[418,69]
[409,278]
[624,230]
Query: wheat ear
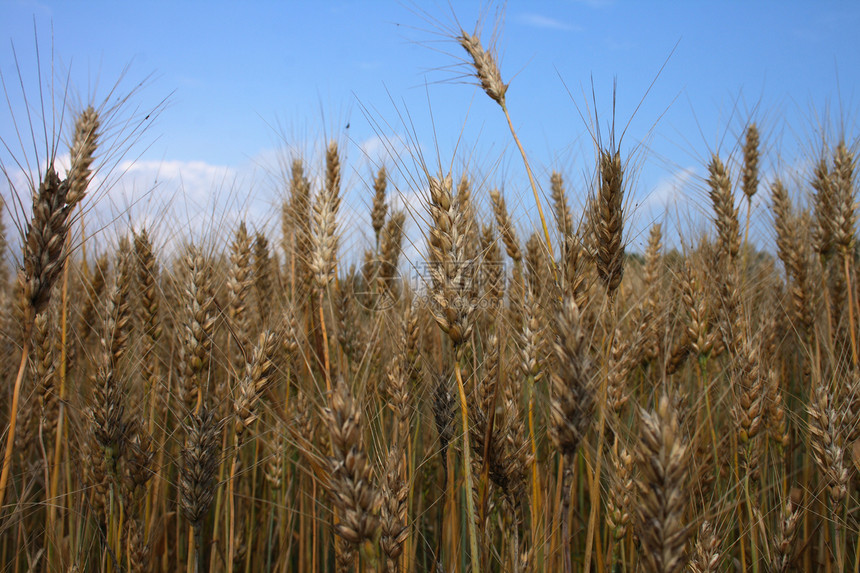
[240,281]
[395,491]
[662,458]
[707,551]
[324,242]
[298,216]
[380,207]
[609,220]
[749,176]
[257,377]
[351,476]
[828,450]
[197,475]
[844,225]
[720,192]
[572,401]
[198,328]
[265,277]
[784,544]
[792,251]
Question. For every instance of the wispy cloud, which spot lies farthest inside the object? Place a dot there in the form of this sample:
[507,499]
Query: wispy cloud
[595,3]
[540,21]
[174,199]
[669,191]
[389,150]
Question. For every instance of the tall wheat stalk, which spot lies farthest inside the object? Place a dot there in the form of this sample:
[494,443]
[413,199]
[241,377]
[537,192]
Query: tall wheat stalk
[490,78]
[45,247]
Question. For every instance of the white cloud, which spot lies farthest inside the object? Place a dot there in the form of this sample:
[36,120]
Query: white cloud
[176,200]
[669,191]
[545,22]
[668,202]
[387,150]
[195,178]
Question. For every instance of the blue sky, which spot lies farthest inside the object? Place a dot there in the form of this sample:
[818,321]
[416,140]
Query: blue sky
[246,79]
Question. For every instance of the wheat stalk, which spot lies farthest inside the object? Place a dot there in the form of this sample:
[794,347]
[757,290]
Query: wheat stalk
[45,247]
[453,307]
[488,74]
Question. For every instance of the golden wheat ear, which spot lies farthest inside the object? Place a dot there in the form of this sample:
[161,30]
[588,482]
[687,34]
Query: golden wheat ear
[726,213]
[352,483]
[793,251]
[485,66]
[845,215]
[394,527]
[380,207]
[199,326]
[706,556]
[506,226]
[750,176]
[198,472]
[240,282]
[608,220]
[53,204]
[258,376]
[82,155]
[324,237]
[663,462]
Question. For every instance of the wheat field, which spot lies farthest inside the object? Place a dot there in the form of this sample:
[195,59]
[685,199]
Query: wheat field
[551,402]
